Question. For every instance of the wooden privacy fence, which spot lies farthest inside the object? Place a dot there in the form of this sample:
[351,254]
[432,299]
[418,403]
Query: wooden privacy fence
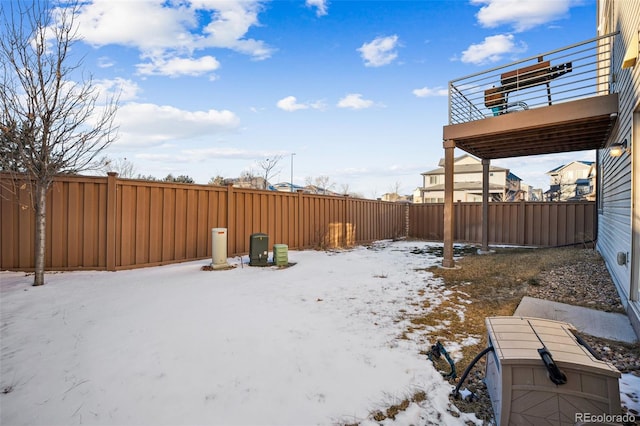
[109,223]
[521,223]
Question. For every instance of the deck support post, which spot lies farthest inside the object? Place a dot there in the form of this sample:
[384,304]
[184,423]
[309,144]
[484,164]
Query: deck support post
[447,260]
[485,205]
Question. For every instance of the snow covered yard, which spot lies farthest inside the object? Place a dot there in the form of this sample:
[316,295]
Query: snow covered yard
[315,343]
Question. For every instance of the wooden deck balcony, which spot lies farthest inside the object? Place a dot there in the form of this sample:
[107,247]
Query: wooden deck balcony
[560,101]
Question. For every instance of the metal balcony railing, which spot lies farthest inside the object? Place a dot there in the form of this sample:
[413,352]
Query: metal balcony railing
[578,71]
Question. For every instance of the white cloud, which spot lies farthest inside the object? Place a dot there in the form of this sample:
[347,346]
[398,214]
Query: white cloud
[173,30]
[381,51]
[520,14]
[123,89]
[151,124]
[231,20]
[430,91]
[320,5]
[290,103]
[207,153]
[492,49]
[354,101]
[145,25]
[175,67]
[105,62]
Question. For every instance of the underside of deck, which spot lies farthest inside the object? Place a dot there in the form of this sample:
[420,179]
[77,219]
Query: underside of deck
[578,125]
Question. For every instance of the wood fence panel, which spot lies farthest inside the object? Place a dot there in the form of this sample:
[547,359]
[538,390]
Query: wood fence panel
[426,221]
[269,221]
[74,215]
[191,231]
[57,213]
[356,219]
[521,223]
[126,226]
[87,251]
[203,230]
[168,224]
[567,224]
[156,202]
[142,217]
[305,218]
[111,223]
[513,222]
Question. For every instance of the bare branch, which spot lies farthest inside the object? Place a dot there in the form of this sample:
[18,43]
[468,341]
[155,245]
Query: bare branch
[50,119]
[268,165]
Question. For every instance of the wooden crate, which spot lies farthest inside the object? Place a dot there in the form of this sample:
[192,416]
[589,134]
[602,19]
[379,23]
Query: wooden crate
[520,389]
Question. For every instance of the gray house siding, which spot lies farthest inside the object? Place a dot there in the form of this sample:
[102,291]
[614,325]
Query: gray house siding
[615,212]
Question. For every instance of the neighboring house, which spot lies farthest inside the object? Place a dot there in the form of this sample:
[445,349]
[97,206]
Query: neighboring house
[287,187]
[569,182]
[593,174]
[526,193]
[514,191]
[618,187]
[395,197]
[314,189]
[309,189]
[467,181]
[251,182]
[535,194]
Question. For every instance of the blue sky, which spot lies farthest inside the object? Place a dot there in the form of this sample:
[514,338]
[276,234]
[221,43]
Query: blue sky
[356,89]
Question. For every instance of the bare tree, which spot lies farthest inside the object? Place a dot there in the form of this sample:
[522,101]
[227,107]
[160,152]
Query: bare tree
[318,185]
[267,166]
[125,168]
[52,122]
[394,193]
[322,182]
[217,180]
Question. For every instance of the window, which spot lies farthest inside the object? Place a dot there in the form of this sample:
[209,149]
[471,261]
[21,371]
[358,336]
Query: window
[434,180]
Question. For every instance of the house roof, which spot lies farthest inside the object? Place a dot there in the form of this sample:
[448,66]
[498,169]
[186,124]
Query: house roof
[465,168]
[512,176]
[287,185]
[456,159]
[557,169]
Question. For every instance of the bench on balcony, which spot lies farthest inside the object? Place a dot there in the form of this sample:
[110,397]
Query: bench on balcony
[497,98]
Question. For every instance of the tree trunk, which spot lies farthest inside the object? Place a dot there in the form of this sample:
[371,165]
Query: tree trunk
[40,235]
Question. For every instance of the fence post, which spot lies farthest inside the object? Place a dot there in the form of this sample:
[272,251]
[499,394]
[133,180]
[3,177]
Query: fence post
[300,230]
[112,212]
[231,221]
[345,223]
[406,220]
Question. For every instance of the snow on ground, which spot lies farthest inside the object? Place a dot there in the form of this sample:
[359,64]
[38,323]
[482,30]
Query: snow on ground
[316,343]
[313,344]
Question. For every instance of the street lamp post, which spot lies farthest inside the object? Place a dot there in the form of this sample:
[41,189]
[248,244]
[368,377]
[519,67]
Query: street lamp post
[292,154]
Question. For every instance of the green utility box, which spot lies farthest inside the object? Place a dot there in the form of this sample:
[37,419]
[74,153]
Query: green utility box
[258,249]
[281,254]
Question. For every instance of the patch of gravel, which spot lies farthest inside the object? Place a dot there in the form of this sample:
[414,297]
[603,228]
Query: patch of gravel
[584,283]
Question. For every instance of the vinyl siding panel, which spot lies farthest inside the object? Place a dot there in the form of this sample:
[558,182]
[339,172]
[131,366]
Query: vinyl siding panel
[614,220]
